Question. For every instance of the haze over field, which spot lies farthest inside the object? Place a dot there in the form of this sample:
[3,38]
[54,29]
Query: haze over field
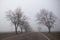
[30,8]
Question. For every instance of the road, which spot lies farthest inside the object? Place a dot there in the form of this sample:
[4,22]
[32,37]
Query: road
[28,36]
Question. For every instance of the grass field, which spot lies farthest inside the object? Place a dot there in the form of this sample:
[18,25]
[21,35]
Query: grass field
[5,35]
[52,36]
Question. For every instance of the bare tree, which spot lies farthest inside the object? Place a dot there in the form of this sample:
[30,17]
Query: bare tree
[39,29]
[21,22]
[27,26]
[19,17]
[47,18]
[15,17]
[12,18]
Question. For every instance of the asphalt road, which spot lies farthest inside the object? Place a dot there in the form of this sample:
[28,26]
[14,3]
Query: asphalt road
[28,36]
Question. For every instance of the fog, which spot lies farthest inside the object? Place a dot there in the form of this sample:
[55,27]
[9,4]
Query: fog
[30,8]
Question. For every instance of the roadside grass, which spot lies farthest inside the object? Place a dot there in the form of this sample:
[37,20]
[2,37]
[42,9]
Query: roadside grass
[53,35]
[5,35]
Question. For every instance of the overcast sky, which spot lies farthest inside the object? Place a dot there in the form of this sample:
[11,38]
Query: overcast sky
[30,8]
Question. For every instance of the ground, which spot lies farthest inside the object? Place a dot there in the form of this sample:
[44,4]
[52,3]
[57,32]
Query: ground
[53,35]
[32,36]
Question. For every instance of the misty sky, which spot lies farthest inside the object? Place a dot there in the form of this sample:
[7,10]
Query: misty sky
[30,9]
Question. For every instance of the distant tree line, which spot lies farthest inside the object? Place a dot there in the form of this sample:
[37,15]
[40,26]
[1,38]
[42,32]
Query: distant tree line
[17,18]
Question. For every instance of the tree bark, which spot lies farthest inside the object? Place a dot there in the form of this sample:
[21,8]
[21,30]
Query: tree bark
[16,29]
[49,30]
[21,29]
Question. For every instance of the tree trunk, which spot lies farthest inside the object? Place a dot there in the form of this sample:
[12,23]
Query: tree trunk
[16,29]
[21,29]
[49,30]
